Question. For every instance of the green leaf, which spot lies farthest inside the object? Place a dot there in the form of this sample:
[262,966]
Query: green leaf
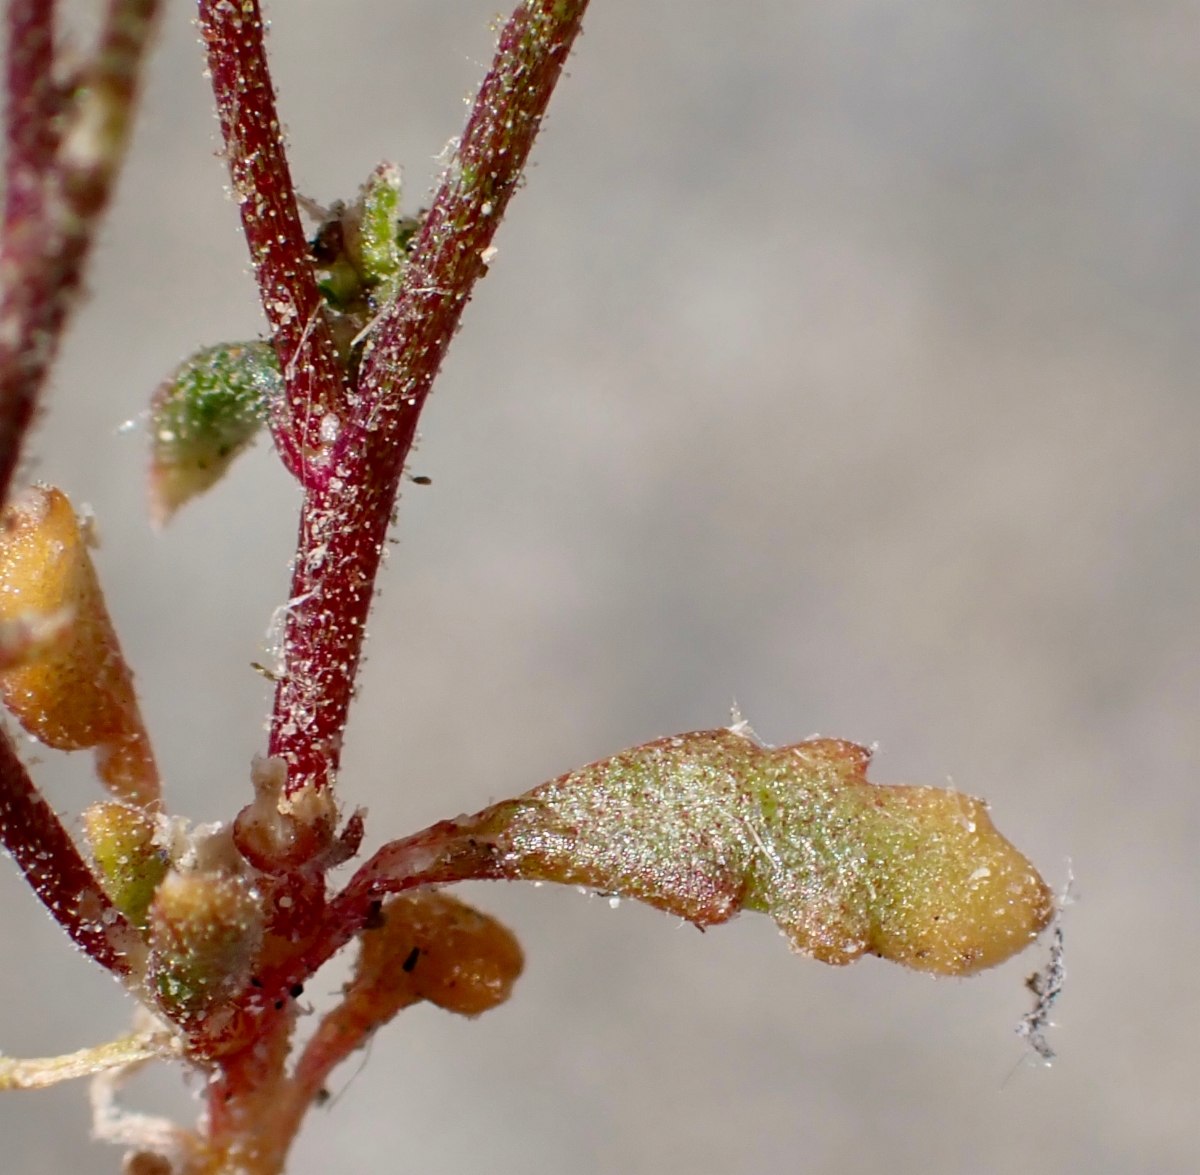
[704,825]
[205,413]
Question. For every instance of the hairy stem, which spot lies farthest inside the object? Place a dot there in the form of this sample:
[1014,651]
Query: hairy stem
[445,853]
[245,1131]
[345,515]
[262,184]
[32,100]
[342,1030]
[58,874]
[57,185]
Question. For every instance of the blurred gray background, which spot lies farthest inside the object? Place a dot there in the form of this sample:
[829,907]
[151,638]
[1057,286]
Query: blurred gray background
[840,357]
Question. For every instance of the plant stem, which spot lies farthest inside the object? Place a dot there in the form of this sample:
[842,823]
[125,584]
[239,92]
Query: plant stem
[447,852]
[245,1097]
[262,184]
[343,1029]
[58,874]
[57,182]
[346,514]
[32,100]
[41,1072]
[57,185]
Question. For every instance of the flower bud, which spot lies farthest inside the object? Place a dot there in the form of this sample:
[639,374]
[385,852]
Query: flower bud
[129,862]
[360,250]
[380,257]
[205,932]
[433,947]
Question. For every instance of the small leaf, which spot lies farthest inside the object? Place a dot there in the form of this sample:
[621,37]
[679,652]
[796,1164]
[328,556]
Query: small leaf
[704,825]
[203,415]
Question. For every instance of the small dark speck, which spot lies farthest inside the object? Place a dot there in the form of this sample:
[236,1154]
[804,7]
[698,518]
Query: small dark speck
[255,981]
[422,481]
[411,961]
[278,1005]
[375,919]
[321,1096]
[296,990]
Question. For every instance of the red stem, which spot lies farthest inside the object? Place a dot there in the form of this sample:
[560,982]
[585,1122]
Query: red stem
[56,189]
[447,852]
[63,153]
[32,99]
[313,380]
[345,515]
[46,854]
[30,143]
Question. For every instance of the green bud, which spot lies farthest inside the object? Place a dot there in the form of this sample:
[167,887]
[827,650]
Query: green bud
[205,932]
[380,255]
[205,413]
[130,864]
[341,285]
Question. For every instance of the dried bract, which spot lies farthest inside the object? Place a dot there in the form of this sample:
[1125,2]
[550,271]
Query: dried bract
[78,692]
